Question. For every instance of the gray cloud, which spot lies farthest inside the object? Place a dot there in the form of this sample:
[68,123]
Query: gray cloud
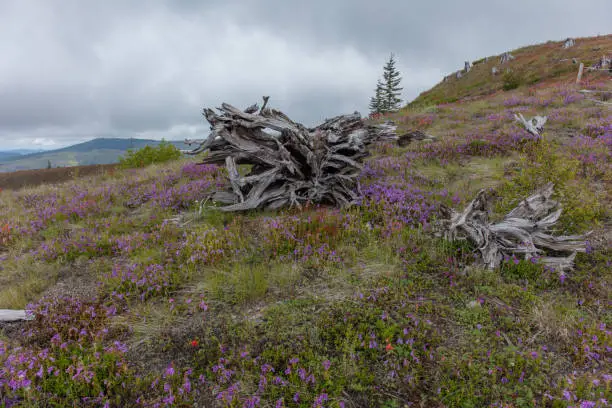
[73,70]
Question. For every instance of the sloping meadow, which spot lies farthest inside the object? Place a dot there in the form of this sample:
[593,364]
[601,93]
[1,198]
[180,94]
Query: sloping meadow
[145,295]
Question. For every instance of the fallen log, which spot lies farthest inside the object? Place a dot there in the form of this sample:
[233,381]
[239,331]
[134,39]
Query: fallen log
[604,94]
[523,232]
[8,315]
[290,165]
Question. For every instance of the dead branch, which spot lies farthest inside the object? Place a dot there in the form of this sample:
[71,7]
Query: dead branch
[534,125]
[604,94]
[290,165]
[522,232]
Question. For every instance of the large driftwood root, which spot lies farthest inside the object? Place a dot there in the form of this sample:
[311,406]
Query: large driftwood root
[523,232]
[291,165]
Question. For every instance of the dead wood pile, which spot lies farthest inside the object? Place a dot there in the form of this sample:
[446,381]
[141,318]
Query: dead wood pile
[523,232]
[290,165]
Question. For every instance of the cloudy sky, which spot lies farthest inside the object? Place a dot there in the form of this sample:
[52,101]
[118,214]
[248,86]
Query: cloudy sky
[72,70]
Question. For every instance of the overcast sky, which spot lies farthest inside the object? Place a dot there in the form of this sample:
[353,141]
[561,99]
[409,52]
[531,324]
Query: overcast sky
[72,70]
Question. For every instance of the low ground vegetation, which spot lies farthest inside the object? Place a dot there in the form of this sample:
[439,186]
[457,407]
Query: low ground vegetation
[146,295]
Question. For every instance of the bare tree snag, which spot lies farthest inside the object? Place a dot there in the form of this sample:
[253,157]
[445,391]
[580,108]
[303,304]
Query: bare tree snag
[290,165]
[506,57]
[603,64]
[523,231]
[534,125]
[579,76]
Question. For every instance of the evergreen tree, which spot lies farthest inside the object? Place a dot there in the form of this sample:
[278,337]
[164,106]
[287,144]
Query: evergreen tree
[376,102]
[48,164]
[391,88]
[387,95]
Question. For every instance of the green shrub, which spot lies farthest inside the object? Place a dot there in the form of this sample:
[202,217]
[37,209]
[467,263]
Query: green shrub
[543,164]
[148,155]
[511,80]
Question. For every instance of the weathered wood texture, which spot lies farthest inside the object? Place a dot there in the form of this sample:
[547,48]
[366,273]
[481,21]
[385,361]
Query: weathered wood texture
[8,315]
[506,57]
[291,165]
[523,231]
[535,125]
[579,76]
[590,95]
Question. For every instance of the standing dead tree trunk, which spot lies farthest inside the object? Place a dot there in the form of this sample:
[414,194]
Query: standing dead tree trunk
[523,231]
[290,165]
[506,57]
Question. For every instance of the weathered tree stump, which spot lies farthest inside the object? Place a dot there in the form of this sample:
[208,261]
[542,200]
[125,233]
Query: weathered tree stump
[522,232]
[534,125]
[506,57]
[291,165]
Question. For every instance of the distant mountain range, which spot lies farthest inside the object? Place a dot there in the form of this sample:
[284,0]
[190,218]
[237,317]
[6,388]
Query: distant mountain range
[96,151]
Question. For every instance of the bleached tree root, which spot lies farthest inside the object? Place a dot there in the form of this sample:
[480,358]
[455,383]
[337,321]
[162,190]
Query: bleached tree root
[291,165]
[523,232]
[535,125]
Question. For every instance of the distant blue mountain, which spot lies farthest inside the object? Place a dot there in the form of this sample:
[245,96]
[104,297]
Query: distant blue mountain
[21,151]
[96,151]
[8,155]
[16,153]
[107,144]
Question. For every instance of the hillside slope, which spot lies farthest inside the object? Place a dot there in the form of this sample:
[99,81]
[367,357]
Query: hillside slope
[534,65]
[96,151]
[146,295]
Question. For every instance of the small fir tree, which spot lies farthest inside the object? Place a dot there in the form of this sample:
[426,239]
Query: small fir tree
[391,89]
[376,102]
[387,94]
